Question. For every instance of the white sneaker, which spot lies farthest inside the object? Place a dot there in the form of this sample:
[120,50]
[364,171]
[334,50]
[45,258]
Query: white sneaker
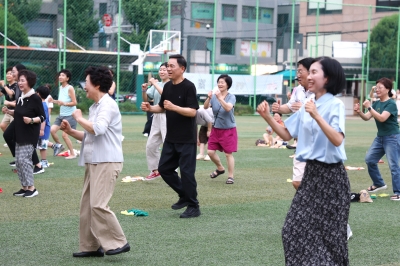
[349,232]
[207,158]
[200,157]
[146,135]
[5,145]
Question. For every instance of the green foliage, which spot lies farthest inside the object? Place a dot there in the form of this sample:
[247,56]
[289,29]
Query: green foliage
[383,43]
[144,16]
[15,30]
[81,21]
[128,107]
[24,10]
[241,109]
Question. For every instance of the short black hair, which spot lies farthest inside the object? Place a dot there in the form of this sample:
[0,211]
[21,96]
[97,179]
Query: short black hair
[387,83]
[165,64]
[100,76]
[306,62]
[43,92]
[67,73]
[227,79]
[30,77]
[334,72]
[277,113]
[180,59]
[20,67]
[9,69]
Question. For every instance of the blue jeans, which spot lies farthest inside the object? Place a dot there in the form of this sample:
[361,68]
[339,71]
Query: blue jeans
[389,145]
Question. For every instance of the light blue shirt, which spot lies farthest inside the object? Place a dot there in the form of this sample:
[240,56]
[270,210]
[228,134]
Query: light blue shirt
[153,93]
[222,118]
[64,97]
[313,144]
[105,145]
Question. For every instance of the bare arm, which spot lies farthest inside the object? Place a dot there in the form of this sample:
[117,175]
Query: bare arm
[76,134]
[379,117]
[367,116]
[263,110]
[227,106]
[71,93]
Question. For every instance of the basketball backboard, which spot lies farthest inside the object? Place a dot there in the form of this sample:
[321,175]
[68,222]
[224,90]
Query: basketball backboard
[165,42]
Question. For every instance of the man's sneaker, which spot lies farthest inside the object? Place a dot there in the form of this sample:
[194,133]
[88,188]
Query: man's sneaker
[44,163]
[291,147]
[5,145]
[31,194]
[153,175]
[20,193]
[349,232]
[181,203]
[12,164]
[58,148]
[38,170]
[207,158]
[191,212]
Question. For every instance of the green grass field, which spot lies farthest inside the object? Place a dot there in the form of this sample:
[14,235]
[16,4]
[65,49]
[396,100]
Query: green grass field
[240,224]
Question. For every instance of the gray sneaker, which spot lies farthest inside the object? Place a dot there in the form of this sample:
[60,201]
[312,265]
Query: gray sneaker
[58,148]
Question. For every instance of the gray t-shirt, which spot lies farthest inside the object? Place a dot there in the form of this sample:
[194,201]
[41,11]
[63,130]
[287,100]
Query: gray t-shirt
[204,116]
[222,118]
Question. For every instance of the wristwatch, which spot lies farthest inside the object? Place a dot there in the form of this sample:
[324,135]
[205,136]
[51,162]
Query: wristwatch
[369,108]
[31,120]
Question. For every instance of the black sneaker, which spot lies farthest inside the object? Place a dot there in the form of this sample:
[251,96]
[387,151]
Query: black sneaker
[191,212]
[38,170]
[181,203]
[12,164]
[20,193]
[290,147]
[31,194]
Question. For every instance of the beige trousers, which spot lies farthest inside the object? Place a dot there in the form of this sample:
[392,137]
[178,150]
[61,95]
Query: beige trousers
[157,136]
[98,225]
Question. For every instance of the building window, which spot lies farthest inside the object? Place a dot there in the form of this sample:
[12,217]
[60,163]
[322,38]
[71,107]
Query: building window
[176,7]
[202,14]
[229,12]
[325,7]
[265,15]
[102,40]
[227,46]
[102,9]
[40,27]
[388,3]
[325,43]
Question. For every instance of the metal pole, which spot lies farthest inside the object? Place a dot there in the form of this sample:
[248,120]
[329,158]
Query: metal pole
[119,45]
[316,31]
[65,35]
[213,50]
[362,76]
[369,38]
[182,22]
[251,63]
[398,52]
[5,38]
[291,42]
[255,58]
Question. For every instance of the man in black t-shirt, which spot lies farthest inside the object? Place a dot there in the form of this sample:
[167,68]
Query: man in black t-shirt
[179,102]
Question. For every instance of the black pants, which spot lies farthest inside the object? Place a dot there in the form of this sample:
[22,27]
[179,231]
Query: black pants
[147,126]
[184,156]
[8,136]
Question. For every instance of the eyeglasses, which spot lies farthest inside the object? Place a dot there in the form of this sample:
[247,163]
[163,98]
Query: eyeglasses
[300,72]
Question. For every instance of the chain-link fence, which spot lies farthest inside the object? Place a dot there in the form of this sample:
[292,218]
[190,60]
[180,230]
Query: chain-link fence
[254,41]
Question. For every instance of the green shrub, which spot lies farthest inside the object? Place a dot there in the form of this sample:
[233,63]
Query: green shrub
[241,109]
[127,107]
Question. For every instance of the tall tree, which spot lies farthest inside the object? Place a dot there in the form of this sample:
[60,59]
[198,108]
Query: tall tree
[383,43]
[81,21]
[15,31]
[24,10]
[143,16]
